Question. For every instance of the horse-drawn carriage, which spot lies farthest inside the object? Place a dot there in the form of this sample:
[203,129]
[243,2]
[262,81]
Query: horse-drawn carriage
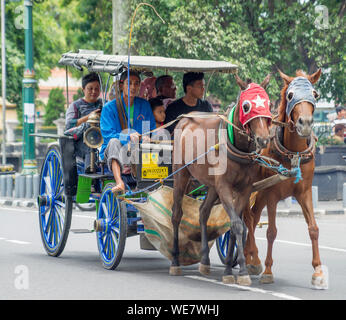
[64,182]
[145,208]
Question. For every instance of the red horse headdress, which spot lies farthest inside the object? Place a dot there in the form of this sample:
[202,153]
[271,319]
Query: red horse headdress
[255,96]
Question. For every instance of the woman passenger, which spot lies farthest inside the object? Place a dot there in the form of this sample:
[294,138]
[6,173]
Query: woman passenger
[78,113]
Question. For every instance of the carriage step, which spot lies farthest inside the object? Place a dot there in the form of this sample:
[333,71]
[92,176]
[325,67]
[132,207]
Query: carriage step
[82,231]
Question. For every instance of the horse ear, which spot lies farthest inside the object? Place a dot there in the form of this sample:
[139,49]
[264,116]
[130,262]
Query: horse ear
[240,82]
[285,77]
[313,78]
[265,82]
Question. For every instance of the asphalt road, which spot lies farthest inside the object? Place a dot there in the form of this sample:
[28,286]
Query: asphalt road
[26,272]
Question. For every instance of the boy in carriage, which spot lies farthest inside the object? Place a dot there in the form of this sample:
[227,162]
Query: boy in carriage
[115,131]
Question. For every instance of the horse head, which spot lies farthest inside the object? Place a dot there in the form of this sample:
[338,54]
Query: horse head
[298,101]
[254,110]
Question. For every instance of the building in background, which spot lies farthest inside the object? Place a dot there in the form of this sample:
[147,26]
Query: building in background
[57,79]
[11,113]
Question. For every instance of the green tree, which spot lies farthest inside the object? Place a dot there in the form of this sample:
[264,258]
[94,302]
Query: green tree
[78,94]
[88,24]
[55,106]
[49,42]
[258,35]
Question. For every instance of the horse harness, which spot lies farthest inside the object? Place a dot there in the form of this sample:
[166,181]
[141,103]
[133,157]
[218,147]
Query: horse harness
[232,152]
[286,155]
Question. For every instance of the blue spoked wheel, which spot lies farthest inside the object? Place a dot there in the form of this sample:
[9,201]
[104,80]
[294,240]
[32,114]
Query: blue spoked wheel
[111,228]
[222,244]
[55,209]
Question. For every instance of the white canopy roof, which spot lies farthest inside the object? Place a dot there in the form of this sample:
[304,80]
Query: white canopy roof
[114,64]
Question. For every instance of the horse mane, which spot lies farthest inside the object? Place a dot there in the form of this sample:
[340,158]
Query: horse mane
[283,101]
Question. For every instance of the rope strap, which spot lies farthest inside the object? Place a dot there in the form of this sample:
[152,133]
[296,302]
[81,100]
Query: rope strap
[160,182]
[294,172]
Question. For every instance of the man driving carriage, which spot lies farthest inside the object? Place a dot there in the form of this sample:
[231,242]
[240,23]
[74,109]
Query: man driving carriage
[115,130]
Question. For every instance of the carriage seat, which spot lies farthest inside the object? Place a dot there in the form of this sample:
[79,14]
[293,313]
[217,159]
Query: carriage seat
[103,171]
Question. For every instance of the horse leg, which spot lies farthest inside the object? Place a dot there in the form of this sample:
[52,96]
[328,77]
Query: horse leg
[180,183]
[305,200]
[237,230]
[248,219]
[267,276]
[251,218]
[204,213]
[229,260]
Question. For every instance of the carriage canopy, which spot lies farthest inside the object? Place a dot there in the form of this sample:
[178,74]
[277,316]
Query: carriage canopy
[114,64]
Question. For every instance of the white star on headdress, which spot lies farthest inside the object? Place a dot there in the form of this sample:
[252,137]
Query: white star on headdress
[259,102]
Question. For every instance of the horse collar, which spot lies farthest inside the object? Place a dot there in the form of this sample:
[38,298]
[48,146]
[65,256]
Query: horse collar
[286,155]
[232,152]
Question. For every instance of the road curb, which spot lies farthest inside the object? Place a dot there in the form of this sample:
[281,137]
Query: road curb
[23,203]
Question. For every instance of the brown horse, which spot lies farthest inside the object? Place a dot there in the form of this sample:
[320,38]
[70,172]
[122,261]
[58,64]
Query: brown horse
[293,137]
[233,185]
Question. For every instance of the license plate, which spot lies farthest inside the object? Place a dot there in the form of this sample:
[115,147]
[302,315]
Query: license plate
[154,173]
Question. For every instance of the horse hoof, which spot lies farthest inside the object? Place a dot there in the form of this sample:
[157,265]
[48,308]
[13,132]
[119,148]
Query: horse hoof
[254,270]
[175,271]
[204,269]
[266,278]
[228,279]
[244,280]
[319,282]
[320,279]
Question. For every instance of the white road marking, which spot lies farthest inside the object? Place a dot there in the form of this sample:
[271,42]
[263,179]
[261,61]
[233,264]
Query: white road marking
[304,244]
[15,241]
[245,288]
[18,241]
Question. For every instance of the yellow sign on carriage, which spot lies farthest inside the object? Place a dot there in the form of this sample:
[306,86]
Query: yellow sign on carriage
[150,166]
[150,159]
[154,172]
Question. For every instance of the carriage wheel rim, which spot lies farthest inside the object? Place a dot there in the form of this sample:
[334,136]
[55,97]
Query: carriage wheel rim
[223,242]
[52,214]
[109,239]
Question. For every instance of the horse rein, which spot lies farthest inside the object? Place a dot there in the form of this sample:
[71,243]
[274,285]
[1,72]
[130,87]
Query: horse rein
[240,131]
[290,125]
[201,115]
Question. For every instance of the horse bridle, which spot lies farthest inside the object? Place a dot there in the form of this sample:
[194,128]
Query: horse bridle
[299,90]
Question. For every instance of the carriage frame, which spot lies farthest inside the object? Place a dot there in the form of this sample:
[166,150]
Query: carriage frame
[63,182]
